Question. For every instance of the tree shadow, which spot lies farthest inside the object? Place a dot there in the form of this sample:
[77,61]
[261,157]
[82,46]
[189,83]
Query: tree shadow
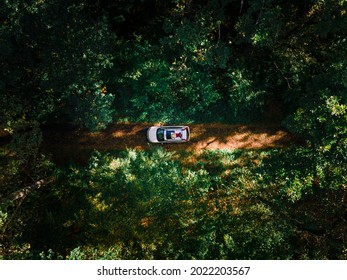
[76,144]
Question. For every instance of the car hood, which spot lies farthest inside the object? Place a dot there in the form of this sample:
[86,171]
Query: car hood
[152,134]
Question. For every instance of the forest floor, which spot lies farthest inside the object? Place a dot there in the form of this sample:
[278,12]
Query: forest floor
[74,144]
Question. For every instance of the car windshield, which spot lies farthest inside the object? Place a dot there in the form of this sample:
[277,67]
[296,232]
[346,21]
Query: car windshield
[160,134]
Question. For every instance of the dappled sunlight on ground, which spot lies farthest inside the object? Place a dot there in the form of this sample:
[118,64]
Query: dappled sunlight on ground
[73,144]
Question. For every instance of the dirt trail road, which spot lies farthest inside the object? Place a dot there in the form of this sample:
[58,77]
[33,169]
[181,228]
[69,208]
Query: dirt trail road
[121,136]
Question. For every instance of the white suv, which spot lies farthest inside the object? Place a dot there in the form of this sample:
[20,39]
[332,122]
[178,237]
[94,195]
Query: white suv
[168,134]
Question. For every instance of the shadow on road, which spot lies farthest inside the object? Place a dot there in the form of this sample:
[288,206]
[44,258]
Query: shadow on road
[74,144]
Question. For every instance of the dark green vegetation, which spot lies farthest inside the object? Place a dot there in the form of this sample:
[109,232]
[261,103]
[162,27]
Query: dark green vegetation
[90,63]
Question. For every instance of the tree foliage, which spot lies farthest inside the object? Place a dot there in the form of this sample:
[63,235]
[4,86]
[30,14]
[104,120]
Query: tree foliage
[91,63]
